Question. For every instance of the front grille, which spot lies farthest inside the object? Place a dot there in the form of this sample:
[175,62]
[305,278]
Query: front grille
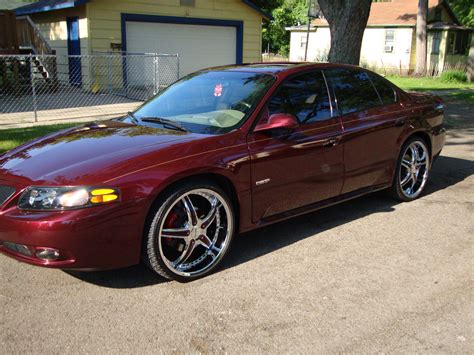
[5,193]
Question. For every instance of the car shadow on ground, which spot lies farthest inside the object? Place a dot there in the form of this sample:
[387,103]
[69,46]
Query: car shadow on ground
[447,172]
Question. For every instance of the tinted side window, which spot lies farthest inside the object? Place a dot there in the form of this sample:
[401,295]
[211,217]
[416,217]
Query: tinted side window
[386,92]
[304,96]
[354,90]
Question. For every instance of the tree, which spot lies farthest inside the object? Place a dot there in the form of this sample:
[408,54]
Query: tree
[421,37]
[464,11]
[287,13]
[347,20]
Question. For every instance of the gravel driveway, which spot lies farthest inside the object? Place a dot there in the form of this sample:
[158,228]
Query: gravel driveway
[369,275]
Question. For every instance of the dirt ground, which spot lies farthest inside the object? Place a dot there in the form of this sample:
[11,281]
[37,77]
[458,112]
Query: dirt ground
[369,275]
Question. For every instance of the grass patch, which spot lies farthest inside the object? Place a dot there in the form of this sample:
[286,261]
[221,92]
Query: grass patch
[447,90]
[10,138]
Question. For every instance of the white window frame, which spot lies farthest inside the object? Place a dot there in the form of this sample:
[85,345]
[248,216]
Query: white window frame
[303,41]
[389,40]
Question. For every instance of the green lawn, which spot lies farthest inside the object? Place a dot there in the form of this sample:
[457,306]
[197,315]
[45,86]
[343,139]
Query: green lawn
[10,138]
[455,91]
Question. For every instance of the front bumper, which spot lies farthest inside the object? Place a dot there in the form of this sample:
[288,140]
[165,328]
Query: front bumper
[99,237]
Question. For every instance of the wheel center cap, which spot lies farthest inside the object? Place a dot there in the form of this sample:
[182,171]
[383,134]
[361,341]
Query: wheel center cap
[196,233]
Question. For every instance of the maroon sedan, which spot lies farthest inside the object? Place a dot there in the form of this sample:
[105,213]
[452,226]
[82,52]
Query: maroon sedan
[222,151]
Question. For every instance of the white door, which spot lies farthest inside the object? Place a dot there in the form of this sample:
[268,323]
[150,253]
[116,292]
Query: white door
[198,46]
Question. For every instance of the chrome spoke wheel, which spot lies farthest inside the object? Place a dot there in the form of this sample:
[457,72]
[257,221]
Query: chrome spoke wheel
[414,169]
[195,232]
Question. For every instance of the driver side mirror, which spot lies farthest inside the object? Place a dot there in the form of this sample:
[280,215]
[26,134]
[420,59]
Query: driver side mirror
[278,121]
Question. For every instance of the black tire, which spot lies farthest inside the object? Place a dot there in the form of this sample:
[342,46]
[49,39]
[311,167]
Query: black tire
[397,190]
[154,248]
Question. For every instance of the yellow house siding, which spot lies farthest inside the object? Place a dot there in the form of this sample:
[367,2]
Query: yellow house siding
[53,27]
[105,19]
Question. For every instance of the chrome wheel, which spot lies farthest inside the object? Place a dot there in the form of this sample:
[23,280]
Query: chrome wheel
[414,169]
[195,232]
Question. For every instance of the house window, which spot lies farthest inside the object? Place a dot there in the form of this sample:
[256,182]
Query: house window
[303,41]
[389,41]
[436,42]
[451,42]
[462,43]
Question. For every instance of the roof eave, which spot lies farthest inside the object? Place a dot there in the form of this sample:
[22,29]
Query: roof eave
[26,10]
[314,27]
[451,12]
[264,14]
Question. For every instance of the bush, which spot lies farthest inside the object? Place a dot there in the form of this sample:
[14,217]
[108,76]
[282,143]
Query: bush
[456,76]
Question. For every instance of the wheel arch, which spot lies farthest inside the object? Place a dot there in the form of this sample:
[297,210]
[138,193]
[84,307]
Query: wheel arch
[220,180]
[423,135]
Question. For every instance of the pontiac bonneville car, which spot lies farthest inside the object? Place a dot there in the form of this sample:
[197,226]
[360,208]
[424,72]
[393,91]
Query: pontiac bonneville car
[220,152]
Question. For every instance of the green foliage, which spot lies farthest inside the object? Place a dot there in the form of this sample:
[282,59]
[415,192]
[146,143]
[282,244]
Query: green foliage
[268,5]
[289,13]
[464,11]
[454,76]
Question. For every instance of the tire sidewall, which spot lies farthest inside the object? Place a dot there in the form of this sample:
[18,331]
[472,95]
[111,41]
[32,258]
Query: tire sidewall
[152,254]
[396,187]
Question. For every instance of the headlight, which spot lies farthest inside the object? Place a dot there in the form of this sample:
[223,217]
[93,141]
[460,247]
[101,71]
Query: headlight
[63,198]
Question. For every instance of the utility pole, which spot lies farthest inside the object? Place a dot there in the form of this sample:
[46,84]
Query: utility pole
[313,12]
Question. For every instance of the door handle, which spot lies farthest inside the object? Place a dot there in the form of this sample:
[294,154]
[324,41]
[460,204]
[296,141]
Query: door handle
[400,122]
[331,142]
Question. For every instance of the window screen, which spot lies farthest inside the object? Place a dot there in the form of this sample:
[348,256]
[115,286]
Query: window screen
[436,42]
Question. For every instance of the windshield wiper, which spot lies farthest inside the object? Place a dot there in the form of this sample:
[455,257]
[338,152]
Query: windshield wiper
[133,117]
[166,123]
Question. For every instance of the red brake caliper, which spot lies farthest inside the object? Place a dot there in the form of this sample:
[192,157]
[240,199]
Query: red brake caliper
[170,223]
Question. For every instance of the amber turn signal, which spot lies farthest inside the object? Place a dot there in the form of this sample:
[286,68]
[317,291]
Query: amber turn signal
[103,195]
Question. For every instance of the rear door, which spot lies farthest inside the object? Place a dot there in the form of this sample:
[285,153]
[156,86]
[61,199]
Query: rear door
[294,169]
[372,122]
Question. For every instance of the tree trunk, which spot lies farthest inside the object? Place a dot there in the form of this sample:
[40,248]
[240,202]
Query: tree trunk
[421,44]
[347,20]
[470,62]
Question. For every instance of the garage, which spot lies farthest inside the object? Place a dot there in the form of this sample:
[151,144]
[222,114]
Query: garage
[200,43]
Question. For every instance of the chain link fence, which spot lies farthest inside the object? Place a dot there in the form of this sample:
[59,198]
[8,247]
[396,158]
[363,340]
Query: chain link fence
[54,87]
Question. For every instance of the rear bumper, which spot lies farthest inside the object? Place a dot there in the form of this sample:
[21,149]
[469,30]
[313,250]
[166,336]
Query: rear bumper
[99,237]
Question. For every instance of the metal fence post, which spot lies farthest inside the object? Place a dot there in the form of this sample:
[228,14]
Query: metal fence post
[110,72]
[156,87]
[33,89]
[177,66]
[73,86]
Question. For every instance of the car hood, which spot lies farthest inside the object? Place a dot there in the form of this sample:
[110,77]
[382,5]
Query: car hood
[86,154]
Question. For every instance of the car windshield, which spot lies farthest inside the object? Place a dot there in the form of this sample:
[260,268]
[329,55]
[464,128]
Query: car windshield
[213,102]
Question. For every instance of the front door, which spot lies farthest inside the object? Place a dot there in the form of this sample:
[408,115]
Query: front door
[74,51]
[294,169]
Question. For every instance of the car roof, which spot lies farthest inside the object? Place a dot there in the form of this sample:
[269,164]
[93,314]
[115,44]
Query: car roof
[278,67]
